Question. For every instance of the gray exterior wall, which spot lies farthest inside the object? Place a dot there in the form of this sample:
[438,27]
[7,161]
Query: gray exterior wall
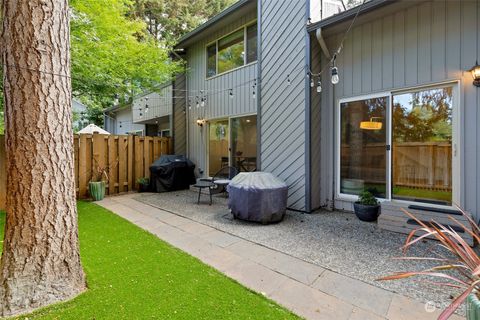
[179,115]
[218,103]
[160,104]
[283,105]
[425,43]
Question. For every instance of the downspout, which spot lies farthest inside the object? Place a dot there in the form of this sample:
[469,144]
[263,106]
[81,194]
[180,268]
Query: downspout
[322,43]
[308,126]
[326,53]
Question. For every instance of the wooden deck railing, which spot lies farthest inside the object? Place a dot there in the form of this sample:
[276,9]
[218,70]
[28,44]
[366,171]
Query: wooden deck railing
[124,158]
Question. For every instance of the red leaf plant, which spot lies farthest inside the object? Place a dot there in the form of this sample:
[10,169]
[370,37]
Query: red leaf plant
[464,261]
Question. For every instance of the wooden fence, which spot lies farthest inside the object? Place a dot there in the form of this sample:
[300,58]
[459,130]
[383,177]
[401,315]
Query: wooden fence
[423,165]
[124,158]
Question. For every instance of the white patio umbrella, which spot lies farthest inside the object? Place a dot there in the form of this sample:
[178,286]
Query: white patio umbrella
[91,129]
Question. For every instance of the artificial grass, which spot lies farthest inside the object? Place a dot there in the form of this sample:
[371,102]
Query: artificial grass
[132,274]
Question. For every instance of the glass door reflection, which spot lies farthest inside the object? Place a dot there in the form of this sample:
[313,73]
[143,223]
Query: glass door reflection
[217,145]
[243,155]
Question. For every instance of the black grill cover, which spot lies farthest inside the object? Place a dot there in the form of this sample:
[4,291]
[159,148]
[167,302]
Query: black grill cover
[170,173]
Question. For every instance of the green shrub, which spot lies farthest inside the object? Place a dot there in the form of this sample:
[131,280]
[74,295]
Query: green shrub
[366,198]
[143,180]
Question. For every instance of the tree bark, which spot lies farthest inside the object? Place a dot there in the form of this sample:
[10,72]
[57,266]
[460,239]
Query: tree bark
[40,264]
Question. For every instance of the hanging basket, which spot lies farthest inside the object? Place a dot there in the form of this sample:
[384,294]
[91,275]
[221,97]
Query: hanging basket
[97,190]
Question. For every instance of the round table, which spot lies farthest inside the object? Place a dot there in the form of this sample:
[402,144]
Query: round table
[222,183]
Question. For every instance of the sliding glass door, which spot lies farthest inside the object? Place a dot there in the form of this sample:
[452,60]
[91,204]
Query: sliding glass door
[243,154]
[422,132]
[399,146]
[218,145]
[363,140]
[232,142]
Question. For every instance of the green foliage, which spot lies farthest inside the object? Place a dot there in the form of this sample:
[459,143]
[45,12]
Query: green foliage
[168,20]
[366,198]
[143,181]
[134,275]
[423,116]
[113,54]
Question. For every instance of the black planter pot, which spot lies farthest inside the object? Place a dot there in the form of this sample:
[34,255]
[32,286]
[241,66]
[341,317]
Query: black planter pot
[143,187]
[366,212]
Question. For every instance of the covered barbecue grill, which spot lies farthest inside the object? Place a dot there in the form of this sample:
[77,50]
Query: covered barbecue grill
[170,173]
[258,196]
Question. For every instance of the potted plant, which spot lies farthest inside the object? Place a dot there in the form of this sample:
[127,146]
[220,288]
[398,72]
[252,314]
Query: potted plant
[460,269]
[143,184]
[367,207]
[97,185]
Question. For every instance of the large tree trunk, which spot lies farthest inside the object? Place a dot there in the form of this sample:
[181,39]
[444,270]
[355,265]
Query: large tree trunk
[40,263]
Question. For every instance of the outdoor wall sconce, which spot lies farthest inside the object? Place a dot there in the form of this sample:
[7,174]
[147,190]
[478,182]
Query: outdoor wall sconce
[372,124]
[476,74]
[201,122]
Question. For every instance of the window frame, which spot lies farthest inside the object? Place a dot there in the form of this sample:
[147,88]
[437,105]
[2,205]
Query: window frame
[215,42]
[457,156]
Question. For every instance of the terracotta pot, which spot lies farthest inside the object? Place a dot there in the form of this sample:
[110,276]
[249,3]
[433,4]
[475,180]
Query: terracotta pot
[97,190]
[366,212]
[473,307]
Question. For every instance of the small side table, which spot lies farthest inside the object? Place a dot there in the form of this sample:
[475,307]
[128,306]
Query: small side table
[222,183]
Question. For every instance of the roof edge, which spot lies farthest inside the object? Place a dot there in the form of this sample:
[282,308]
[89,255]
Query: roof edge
[237,5]
[349,14]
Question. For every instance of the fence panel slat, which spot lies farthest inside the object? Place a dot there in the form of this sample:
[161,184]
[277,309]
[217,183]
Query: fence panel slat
[112,164]
[138,156]
[146,156]
[82,166]
[130,162]
[122,170]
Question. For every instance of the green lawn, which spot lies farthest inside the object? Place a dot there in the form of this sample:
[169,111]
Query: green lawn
[132,274]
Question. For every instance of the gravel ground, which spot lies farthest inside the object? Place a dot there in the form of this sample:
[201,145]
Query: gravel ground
[334,240]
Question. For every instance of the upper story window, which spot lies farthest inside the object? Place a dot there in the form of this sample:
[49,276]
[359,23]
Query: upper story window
[232,51]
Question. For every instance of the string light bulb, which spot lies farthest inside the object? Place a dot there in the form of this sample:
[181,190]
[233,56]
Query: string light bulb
[288,79]
[146,108]
[319,86]
[198,104]
[231,93]
[312,82]
[335,77]
[202,103]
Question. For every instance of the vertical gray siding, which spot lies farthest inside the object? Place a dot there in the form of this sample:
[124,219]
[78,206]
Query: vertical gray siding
[179,115]
[159,104]
[218,104]
[283,105]
[426,43]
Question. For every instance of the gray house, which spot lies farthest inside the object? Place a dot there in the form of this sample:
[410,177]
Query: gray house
[246,91]
[379,97]
[155,113]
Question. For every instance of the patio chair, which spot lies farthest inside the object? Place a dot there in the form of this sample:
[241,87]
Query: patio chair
[225,173]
